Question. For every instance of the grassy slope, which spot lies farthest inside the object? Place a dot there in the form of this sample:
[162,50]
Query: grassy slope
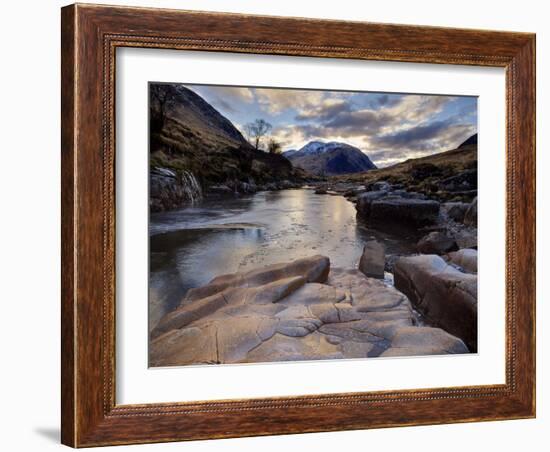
[214,151]
[422,174]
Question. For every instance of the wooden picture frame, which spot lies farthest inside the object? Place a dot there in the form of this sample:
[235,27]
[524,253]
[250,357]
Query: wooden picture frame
[90,36]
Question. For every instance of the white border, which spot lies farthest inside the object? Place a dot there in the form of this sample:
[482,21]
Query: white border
[135,383]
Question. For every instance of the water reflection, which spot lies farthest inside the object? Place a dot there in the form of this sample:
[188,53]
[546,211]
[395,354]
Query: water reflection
[191,246]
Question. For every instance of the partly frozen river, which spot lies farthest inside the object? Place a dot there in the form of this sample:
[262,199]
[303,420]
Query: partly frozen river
[189,247]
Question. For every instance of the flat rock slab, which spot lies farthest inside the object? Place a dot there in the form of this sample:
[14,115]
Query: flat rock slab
[445,295]
[312,269]
[425,341]
[283,313]
[366,294]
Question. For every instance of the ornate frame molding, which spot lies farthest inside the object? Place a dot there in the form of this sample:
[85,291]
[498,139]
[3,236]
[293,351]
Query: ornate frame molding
[90,37]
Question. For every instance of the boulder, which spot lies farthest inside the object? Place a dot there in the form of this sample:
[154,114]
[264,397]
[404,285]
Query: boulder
[408,194]
[446,296]
[466,238]
[470,217]
[436,242]
[321,191]
[411,211]
[456,210]
[364,201]
[380,186]
[169,190]
[407,208]
[464,181]
[466,259]
[354,191]
[373,259]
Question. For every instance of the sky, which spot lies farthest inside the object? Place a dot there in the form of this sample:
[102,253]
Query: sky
[388,127]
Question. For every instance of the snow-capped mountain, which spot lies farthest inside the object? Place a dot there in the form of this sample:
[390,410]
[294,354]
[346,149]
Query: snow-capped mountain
[329,159]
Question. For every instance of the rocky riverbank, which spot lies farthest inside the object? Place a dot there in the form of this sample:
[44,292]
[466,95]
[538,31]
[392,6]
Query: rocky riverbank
[391,305]
[307,310]
[196,151]
[300,310]
[441,280]
[172,189]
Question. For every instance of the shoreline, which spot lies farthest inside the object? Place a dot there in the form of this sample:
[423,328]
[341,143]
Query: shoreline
[430,264]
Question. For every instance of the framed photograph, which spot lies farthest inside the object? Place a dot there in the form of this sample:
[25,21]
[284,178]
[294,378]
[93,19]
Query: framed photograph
[280,225]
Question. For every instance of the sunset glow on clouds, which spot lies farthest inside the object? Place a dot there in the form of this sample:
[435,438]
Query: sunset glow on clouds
[389,128]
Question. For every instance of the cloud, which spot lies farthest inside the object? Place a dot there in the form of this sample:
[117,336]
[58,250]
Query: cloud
[413,109]
[387,100]
[422,136]
[328,108]
[228,97]
[225,106]
[234,93]
[337,116]
[413,135]
[276,101]
[388,127]
[418,141]
[359,122]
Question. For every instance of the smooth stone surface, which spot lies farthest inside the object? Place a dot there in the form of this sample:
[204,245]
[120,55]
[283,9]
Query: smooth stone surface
[428,337]
[466,259]
[373,260]
[445,295]
[366,294]
[313,269]
[436,242]
[266,315]
[409,208]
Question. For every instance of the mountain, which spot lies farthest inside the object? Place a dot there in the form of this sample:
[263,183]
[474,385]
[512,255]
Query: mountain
[290,152]
[329,159]
[195,142]
[469,141]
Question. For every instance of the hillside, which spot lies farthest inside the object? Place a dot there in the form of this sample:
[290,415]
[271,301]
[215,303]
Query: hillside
[446,175]
[328,159]
[190,138]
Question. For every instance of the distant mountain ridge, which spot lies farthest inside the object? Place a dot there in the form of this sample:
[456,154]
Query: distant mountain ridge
[329,159]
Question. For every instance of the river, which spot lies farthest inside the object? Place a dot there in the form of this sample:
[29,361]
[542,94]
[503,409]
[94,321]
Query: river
[190,246]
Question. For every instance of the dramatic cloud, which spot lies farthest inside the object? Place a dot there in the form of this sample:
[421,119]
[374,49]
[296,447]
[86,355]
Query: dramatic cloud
[419,141]
[276,101]
[325,110]
[224,106]
[228,99]
[388,127]
[414,136]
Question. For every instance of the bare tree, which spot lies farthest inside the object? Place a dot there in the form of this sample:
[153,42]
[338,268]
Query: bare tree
[256,130]
[161,96]
[273,146]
